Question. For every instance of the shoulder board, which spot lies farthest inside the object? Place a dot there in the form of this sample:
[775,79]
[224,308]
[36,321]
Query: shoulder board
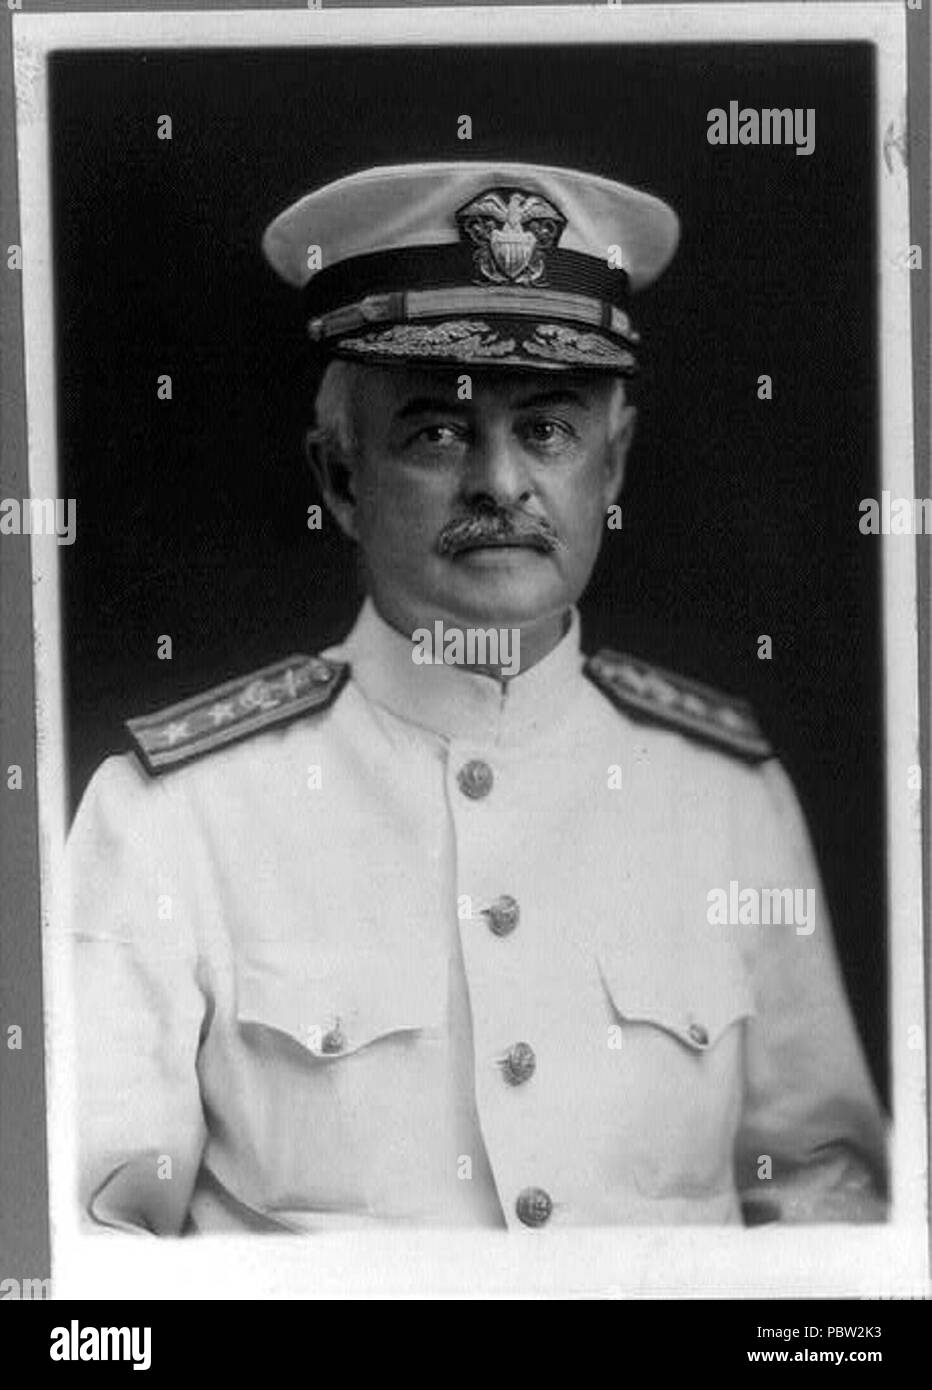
[681,704]
[278,693]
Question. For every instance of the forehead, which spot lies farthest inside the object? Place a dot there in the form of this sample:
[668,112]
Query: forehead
[397,388]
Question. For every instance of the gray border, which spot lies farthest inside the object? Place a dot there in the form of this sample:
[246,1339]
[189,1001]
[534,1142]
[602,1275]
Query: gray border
[24,1234]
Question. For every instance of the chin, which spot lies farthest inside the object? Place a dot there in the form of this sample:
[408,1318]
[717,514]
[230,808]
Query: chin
[511,602]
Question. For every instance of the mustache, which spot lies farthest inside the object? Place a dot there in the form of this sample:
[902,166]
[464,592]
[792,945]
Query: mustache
[498,526]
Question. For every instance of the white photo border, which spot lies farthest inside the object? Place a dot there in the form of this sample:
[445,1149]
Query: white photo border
[710,1262]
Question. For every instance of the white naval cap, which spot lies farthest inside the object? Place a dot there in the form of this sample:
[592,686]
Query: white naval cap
[471,263]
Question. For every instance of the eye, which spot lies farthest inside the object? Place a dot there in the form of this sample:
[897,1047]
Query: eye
[546,431]
[438,436]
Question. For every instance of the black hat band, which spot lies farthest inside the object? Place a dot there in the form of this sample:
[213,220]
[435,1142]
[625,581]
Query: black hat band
[440,267]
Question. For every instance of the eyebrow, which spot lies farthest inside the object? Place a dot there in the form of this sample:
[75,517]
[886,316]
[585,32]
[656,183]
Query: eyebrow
[548,398]
[428,405]
[436,405]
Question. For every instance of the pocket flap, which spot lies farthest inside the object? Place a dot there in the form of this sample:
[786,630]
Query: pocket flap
[695,994]
[334,1002]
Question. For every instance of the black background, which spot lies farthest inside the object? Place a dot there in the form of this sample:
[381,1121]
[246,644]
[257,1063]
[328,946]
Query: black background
[740,515]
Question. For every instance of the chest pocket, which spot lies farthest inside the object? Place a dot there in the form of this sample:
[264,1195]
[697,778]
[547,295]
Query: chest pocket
[694,994]
[678,1067]
[335,1002]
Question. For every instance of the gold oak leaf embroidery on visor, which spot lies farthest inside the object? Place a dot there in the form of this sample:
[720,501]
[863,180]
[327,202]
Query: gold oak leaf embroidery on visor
[476,341]
[463,338]
[558,343]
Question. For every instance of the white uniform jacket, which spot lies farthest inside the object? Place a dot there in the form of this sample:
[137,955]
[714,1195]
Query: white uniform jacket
[440,953]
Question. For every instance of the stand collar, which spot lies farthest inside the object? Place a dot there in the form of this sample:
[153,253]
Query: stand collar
[452,701]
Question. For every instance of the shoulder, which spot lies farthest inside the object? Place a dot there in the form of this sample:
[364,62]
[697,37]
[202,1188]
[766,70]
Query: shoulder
[656,696]
[236,710]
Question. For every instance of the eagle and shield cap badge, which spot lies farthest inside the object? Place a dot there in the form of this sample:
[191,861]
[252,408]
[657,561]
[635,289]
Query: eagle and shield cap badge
[512,230]
[471,264]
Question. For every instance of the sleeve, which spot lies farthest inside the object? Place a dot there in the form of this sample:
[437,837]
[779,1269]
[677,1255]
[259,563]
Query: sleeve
[811,1145]
[137,1007]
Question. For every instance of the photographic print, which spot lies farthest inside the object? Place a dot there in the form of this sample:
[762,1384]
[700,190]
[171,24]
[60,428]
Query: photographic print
[473,531]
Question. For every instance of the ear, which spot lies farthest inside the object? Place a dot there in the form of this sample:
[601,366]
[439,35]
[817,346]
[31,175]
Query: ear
[335,476]
[623,421]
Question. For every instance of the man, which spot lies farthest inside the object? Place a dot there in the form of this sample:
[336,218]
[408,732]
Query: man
[420,930]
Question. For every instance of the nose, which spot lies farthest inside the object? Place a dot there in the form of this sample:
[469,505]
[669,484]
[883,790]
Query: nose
[497,470]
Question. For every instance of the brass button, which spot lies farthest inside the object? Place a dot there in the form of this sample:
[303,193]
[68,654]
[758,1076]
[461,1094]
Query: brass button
[319,672]
[333,1040]
[698,1034]
[475,779]
[519,1064]
[534,1206]
[503,915]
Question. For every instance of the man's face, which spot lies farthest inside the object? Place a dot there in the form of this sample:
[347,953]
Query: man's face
[488,511]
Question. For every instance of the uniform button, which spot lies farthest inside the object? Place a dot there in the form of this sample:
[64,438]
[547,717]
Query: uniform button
[519,1064]
[534,1206]
[475,779]
[503,915]
[319,672]
[698,1034]
[333,1040]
